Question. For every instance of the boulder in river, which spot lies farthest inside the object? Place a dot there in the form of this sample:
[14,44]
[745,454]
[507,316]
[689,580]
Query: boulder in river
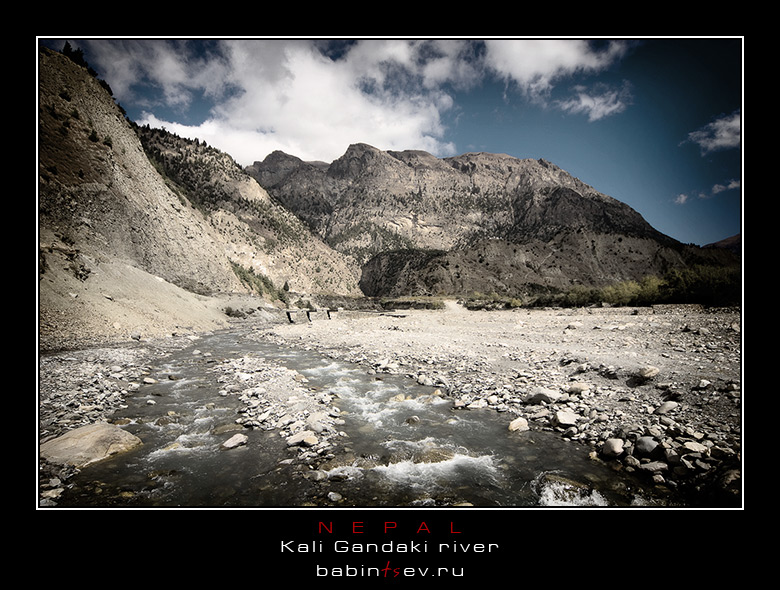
[88,444]
[612,447]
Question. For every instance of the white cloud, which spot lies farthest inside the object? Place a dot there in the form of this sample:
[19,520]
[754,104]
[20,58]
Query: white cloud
[723,133]
[167,67]
[536,65]
[730,185]
[291,95]
[681,199]
[598,102]
[288,95]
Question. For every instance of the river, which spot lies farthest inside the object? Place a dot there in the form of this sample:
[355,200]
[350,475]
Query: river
[420,452]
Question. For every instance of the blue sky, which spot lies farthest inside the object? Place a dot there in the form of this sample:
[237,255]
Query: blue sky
[653,122]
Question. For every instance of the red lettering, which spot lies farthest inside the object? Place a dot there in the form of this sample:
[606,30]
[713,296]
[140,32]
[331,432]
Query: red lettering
[357,527]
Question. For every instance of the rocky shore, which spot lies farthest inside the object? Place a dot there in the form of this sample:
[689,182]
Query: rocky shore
[654,391]
[78,388]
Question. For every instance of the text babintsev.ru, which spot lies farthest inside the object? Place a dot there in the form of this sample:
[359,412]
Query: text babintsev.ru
[387,571]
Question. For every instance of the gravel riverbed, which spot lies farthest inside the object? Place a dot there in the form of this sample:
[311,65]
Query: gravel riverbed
[653,390]
[656,390]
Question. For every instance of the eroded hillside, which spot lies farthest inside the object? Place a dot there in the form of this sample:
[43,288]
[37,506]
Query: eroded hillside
[123,251]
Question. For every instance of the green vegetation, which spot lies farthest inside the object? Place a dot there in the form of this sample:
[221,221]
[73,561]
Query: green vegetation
[488,301]
[705,285]
[259,283]
[413,302]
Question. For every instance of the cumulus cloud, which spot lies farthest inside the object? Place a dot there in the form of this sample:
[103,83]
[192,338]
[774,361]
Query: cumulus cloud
[721,134]
[535,66]
[312,98]
[292,95]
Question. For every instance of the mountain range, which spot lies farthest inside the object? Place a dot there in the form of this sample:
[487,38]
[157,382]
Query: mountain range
[115,195]
[478,222]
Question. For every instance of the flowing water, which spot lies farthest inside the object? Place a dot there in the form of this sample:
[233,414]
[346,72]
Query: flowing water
[417,452]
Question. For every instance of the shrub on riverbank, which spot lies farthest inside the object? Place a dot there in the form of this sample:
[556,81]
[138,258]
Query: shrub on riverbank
[705,285]
[259,283]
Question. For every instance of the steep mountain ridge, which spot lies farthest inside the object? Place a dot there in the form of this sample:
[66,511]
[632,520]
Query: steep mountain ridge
[441,203]
[258,233]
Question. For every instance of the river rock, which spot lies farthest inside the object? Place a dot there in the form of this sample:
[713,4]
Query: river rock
[234,441]
[543,395]
[426,380]
[645,445]
[386,365]
[695,447]
[654,466]
[305,437]
[612,447]
[649,372]
[565,419]
[578,388]
[88,444]
[666,407]
[518,425]
[433,454]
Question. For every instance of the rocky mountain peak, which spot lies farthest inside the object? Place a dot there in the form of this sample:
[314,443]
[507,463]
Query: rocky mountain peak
[419,159]
[363,161]
[418,223]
